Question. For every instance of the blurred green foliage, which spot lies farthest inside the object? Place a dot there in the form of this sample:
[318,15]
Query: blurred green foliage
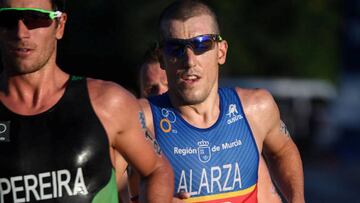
[283,38]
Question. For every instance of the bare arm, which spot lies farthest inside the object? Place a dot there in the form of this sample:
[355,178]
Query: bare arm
[121,178]
[143,154]
[133,178]
[266,189]
[283,156]
[121,116]
[285,163]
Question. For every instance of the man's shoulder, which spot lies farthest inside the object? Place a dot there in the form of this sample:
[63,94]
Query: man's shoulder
[260,109]
[145,105]
[95,84]
[108,93]
[154,101]
[256,99]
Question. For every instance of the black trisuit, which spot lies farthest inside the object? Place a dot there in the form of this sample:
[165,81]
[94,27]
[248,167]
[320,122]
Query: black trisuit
[61,155]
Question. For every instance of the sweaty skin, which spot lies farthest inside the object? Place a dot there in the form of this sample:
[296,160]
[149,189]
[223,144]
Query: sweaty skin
[152,75]
[193,91]
[33,86]
[266,190]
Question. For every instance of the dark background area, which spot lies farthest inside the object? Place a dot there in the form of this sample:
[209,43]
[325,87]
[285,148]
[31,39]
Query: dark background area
[282,38]
[286,45]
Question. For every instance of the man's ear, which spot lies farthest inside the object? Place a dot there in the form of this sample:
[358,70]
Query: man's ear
[222,51]
[61,26]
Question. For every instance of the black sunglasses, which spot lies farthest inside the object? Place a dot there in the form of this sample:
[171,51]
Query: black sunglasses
[32,17]
[199,44]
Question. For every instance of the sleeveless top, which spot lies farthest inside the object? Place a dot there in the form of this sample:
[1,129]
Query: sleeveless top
[216,164]
[60,155]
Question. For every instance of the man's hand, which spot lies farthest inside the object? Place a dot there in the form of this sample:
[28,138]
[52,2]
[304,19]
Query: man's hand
[180,196]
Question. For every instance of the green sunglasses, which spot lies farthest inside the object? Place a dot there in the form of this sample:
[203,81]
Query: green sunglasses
[32,17]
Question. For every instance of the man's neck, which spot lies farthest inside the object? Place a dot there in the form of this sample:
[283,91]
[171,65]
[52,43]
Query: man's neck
[204,114]
[33,93]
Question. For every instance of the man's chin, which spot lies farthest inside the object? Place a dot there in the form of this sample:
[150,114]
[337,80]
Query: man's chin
[191,98]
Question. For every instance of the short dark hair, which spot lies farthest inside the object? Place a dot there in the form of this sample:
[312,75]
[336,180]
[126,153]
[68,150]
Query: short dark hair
[185,9]
[57,5]
[152,54]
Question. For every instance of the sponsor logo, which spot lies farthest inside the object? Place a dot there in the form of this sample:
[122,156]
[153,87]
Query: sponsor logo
[165,125]
[166,122]
[204,152]
[233,114]
[5,131]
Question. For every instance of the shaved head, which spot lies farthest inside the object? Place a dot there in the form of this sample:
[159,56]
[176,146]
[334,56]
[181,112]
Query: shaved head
[58,5]
[183,10]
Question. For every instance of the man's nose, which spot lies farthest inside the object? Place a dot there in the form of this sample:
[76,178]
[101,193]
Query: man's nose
[189,57]
[21,30]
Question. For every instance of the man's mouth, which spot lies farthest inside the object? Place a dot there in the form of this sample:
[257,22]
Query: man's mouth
[21,51]
[189,78]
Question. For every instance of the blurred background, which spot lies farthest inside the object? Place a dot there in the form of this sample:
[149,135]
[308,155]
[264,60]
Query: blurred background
[307,53]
